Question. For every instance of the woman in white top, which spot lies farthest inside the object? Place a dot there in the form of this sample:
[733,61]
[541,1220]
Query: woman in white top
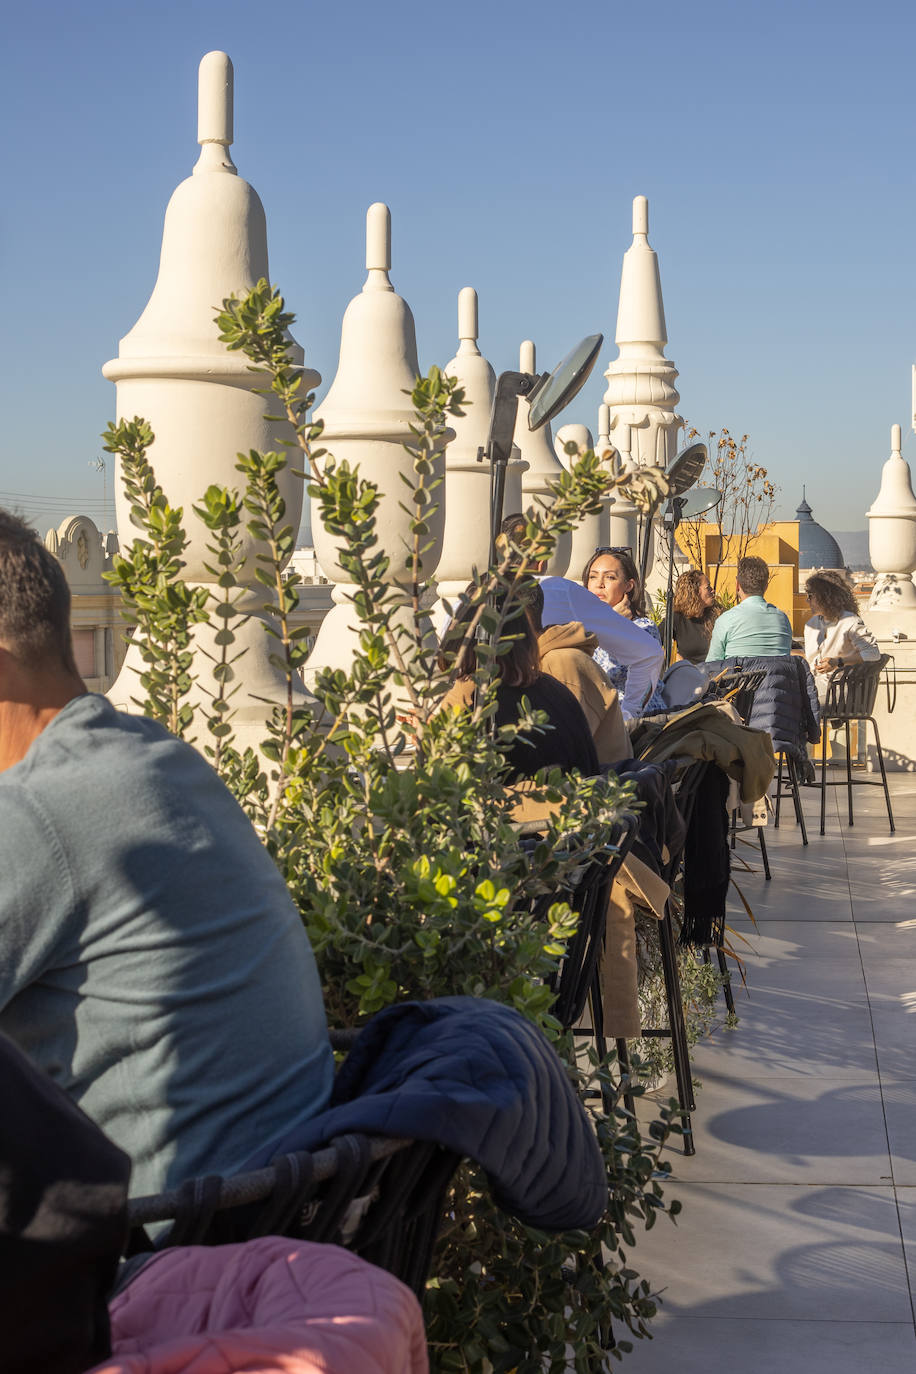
[836,635]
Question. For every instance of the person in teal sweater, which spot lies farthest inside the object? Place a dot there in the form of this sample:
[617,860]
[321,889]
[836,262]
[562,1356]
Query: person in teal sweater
[152,962]
[754,628]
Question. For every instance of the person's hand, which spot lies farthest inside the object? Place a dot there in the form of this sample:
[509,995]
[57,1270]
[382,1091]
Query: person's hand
[823,665]
[624,608]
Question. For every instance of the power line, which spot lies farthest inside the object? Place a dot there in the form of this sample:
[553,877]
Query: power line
[36,500]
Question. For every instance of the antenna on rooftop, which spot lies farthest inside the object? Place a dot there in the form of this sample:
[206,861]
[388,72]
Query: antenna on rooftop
[101,466]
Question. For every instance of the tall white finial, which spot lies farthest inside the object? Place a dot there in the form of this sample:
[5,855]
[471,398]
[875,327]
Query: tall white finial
[378,247]
[527,357]
[214,112]
[467,321]
[892,534]
[641,391]
[467,314]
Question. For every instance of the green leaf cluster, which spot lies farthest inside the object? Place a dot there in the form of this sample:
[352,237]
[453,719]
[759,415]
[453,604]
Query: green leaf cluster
[392,823]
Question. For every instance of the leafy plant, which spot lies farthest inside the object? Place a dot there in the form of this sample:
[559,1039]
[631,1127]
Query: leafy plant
[392,823]
[744,511]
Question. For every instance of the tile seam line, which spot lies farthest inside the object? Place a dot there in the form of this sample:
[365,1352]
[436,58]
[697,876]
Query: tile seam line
[820,1321]
[903,1245]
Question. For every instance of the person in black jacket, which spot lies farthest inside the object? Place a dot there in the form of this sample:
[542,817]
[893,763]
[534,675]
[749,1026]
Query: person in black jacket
[565,741]
[63,1222]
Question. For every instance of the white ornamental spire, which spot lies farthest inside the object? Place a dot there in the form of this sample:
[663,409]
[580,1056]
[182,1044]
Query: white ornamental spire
[892,534]
[214,113]
[467,481]
[367,417]
[199,398]
[591,531]
[641,312]
[641,394]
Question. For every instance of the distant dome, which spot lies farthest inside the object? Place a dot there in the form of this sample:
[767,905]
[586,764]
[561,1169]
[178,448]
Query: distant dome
[817,547]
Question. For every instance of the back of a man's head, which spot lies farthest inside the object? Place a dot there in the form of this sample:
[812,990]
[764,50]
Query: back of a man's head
[34,600]
[753,576]
[534,598]
[513,541]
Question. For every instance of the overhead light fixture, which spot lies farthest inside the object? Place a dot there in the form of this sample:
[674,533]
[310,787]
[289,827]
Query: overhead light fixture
[686,468]
[564,383]
[688,507]
[700,500]
[548,394]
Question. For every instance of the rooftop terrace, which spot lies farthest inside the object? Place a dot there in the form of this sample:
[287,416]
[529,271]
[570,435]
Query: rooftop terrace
[796,1248]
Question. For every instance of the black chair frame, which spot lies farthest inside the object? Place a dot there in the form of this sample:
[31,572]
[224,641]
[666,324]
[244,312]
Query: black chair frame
[789,788]
[381,1198]
[686,784]
[739,686]
[851,693]
[577,984]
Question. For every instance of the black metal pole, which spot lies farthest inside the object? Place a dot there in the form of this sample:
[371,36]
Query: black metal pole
[498,464]
[672,520]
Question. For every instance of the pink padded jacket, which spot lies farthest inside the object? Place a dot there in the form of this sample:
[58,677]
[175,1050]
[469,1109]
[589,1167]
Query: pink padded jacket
[270,1306]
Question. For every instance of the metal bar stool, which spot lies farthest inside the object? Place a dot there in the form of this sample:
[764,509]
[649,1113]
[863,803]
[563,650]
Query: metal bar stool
[851,694]
[792,783]
[739,687]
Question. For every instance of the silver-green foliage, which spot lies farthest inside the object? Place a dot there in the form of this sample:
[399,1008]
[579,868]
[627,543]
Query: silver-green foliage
[392,825]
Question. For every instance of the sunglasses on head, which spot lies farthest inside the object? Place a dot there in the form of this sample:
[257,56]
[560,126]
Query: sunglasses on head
[614,548]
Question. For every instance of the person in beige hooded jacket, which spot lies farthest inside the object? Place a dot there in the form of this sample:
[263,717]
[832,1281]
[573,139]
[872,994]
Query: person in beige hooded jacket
[566,654]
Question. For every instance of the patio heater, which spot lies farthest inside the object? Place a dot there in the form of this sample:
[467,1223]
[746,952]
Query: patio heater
[688,507]
[548,394]
[682,472]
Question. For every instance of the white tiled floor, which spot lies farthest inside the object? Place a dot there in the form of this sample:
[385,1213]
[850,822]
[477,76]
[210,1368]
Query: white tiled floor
[796,1247]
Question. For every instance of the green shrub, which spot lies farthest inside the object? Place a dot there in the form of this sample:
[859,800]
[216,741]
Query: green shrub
[391,823]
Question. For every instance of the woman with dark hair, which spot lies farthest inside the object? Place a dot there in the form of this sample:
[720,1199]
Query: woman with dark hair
[612,576]
[566,741]
[836,634]
[695,613]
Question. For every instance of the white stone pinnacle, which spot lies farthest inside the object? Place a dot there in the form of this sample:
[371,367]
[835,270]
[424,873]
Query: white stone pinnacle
[214,112]
[641,314]
[468,328]
[527,356]
[378,247]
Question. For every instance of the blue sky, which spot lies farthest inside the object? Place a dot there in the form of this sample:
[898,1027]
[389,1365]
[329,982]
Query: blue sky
[774,141]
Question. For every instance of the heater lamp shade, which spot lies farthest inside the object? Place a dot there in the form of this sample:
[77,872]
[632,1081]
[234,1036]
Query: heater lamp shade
[686,468]
[700,500]
[564,382]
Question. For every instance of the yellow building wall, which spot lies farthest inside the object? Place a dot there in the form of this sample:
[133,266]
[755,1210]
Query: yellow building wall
[777,545]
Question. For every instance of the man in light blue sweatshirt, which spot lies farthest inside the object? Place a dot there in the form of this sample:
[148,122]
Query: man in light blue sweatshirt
[151,960]
[754,628]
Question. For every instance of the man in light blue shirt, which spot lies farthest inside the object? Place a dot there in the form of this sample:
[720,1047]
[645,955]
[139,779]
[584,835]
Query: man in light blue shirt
[754,628]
